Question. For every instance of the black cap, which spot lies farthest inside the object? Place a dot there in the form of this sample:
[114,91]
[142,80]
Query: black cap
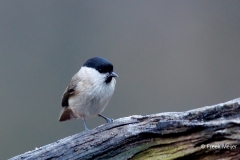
[100,64]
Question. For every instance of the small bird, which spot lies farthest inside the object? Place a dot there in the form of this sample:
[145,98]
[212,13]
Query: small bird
[89,91]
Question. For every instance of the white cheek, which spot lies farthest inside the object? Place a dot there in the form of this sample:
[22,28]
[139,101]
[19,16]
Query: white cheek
[91,75]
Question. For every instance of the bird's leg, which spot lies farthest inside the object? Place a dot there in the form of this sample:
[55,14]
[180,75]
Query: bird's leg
[85,125]
[109,120]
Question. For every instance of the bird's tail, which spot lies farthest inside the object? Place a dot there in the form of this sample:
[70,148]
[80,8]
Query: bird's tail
[66,114]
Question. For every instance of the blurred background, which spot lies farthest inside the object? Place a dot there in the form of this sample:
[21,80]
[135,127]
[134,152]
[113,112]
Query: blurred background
[169,55]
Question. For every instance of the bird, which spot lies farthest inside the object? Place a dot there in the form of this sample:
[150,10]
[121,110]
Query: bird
[89,91]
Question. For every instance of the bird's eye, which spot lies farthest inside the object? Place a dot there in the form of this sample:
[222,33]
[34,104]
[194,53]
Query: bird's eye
[100,70]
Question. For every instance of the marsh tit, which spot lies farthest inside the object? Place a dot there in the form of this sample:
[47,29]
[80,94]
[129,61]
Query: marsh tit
[89,91]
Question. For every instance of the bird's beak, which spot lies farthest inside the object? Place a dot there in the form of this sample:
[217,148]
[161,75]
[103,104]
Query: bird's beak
[113,74]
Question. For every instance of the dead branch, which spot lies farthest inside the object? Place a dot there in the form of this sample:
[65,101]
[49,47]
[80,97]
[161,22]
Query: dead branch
[211,132]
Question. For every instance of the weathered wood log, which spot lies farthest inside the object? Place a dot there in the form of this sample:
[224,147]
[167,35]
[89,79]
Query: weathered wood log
[211,132]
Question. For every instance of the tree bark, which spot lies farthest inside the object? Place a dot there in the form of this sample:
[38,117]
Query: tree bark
[211,132]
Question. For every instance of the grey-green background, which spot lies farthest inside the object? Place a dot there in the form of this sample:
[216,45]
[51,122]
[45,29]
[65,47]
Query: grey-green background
[169,55]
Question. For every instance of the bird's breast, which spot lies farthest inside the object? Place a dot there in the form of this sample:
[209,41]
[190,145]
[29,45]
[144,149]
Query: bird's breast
[91,99]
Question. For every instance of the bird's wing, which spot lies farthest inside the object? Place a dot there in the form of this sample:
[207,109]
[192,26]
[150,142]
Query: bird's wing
[70,90]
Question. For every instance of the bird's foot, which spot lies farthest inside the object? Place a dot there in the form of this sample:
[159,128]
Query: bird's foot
[109,120]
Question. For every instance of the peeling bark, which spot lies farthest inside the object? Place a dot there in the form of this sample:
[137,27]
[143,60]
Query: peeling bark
[211,132]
